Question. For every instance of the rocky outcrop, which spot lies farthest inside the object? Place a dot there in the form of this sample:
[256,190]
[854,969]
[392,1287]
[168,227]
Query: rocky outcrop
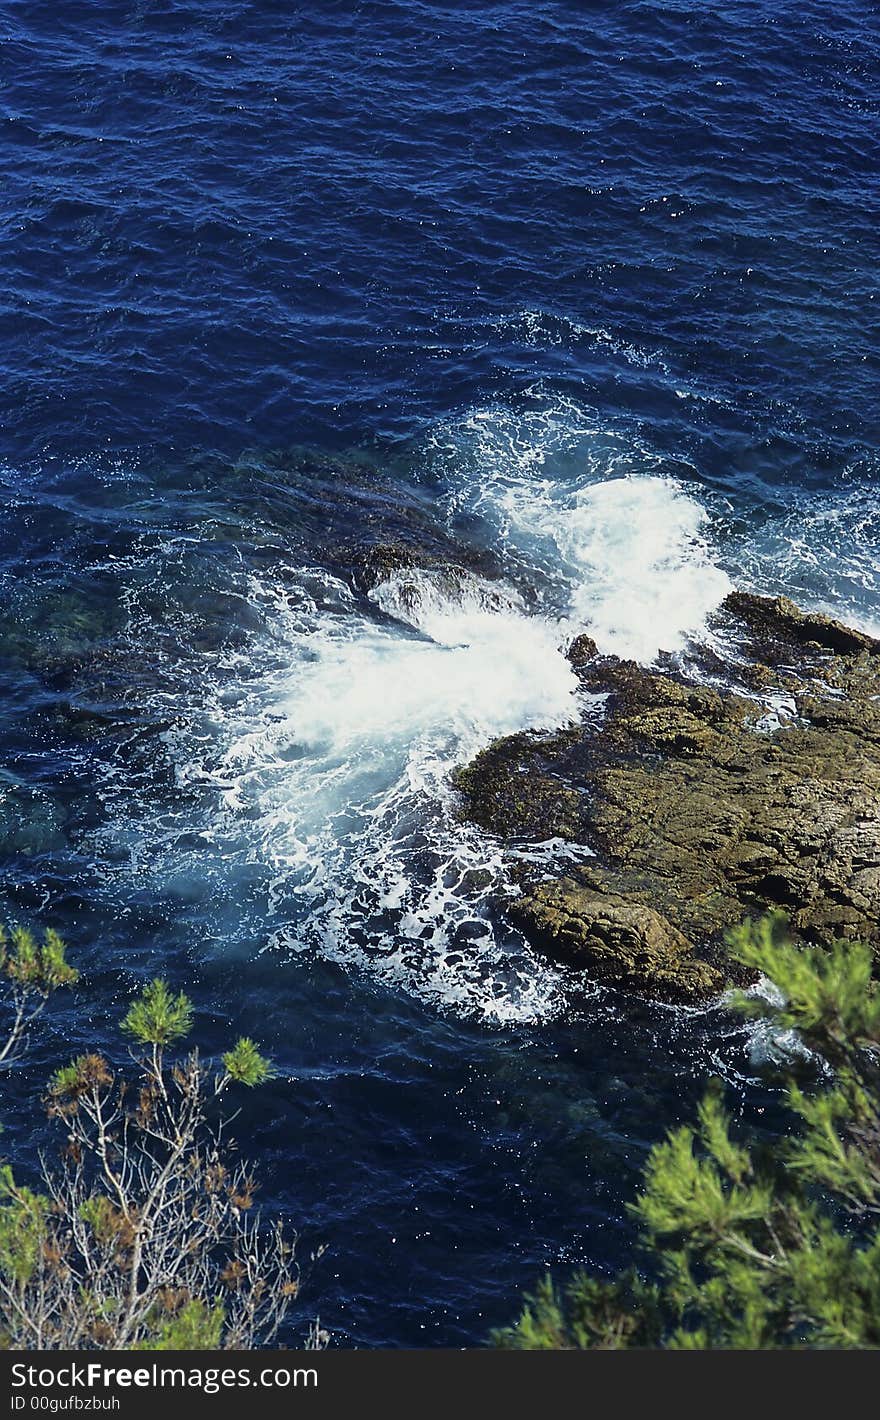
[775,622]
[615,939]
[703,804]
[582,650]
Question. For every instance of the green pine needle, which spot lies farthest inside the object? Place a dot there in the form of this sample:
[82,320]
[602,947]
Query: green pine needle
[158,1017]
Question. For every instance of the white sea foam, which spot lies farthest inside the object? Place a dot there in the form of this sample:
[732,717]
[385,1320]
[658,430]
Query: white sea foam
[627,547]
[643,577]
[337,770]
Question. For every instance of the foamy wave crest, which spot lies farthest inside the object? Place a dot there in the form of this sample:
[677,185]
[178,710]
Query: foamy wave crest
[645,581]
[477,672]
[546,329]
[624,547]
[332,770]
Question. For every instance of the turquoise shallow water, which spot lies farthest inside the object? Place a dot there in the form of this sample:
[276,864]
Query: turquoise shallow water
[592,294]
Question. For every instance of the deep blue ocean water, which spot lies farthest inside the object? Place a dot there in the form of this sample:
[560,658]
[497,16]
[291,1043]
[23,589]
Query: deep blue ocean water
[591,288]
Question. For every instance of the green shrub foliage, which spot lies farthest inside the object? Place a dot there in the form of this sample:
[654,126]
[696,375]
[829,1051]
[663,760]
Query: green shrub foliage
[158,1017]
[30,972]
[244,1064]
[744,1248]
[146,1235]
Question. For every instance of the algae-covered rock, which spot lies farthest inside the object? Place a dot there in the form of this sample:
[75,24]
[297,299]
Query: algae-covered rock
[703,804]
[509,793]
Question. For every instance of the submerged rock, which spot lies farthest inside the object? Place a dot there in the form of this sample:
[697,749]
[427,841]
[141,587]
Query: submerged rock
[415,551]
[29,821]
[702,804]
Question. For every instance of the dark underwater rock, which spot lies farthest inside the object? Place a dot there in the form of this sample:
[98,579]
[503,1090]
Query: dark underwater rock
[29,821]
[702,805]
